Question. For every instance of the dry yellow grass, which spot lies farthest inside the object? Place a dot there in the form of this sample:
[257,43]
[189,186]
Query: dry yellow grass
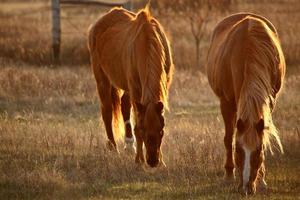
[52,141]
[52,144]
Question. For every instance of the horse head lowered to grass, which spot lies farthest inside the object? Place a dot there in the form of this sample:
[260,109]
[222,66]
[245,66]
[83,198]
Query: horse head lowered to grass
[132,64]
[246,69]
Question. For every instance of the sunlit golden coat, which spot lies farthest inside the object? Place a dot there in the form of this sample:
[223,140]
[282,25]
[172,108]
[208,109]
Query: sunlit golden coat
[246,65]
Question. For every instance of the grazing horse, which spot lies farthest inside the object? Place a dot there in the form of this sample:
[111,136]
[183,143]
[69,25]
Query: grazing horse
[132,64]
[246,68]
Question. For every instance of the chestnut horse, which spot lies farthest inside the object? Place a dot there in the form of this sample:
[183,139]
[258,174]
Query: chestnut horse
[246,68]
[132,64]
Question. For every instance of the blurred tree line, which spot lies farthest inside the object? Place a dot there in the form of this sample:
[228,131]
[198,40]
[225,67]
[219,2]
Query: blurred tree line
[197,14]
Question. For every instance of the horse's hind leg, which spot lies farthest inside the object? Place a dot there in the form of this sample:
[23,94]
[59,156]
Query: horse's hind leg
[228,111]
[105,93]
[126,108]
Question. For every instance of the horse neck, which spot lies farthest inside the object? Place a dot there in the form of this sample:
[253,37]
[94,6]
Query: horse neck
[153,92]
[154,77]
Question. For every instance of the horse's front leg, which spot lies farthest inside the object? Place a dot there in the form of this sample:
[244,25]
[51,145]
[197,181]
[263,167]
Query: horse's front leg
[139,147]
[262,185]
[126,109]
[229,115]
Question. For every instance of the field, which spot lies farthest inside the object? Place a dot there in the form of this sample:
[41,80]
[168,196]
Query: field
[52,141]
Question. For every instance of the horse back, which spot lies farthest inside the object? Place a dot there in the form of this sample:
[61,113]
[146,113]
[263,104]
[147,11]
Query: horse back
[127,47]
[233,19]
[113,17]
[219,62]
[106,45]
[227,55]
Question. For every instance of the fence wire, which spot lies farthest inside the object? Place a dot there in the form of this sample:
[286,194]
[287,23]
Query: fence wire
[27,12]
[74,26]
[42,9]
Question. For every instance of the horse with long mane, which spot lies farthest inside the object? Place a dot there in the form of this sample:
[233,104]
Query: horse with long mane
[132,64]
[246,68]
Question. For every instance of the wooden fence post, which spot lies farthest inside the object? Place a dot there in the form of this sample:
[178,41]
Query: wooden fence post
[56,29]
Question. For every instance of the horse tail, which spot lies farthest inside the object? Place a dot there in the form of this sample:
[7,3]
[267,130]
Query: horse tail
[118,124]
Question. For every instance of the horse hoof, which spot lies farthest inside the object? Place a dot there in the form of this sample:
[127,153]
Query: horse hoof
[162,164]
[110,146]
[130,149]
[138,160]
[248,190]
[228,179]
[262,185]
[139,167]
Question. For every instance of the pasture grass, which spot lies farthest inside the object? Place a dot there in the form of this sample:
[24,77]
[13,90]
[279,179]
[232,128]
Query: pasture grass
[52,141]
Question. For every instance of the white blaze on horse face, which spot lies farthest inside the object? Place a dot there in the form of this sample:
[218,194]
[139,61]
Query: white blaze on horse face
[247,167]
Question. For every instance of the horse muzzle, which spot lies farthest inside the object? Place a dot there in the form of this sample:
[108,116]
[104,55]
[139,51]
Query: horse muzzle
[248,189]
[152,162]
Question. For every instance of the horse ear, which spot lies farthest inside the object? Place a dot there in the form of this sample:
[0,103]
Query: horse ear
[159,107]
[240,125]
[260,125]
[140,107]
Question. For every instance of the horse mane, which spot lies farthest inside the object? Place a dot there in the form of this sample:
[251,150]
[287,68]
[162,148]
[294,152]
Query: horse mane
[150,58]
[258,93]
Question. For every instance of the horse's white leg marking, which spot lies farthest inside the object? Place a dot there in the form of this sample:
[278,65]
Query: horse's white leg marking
[129,142]
[246,170]
[127,122]
[129,145]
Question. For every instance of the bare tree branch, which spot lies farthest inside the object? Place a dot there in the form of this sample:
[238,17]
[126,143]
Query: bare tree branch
[196,13]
